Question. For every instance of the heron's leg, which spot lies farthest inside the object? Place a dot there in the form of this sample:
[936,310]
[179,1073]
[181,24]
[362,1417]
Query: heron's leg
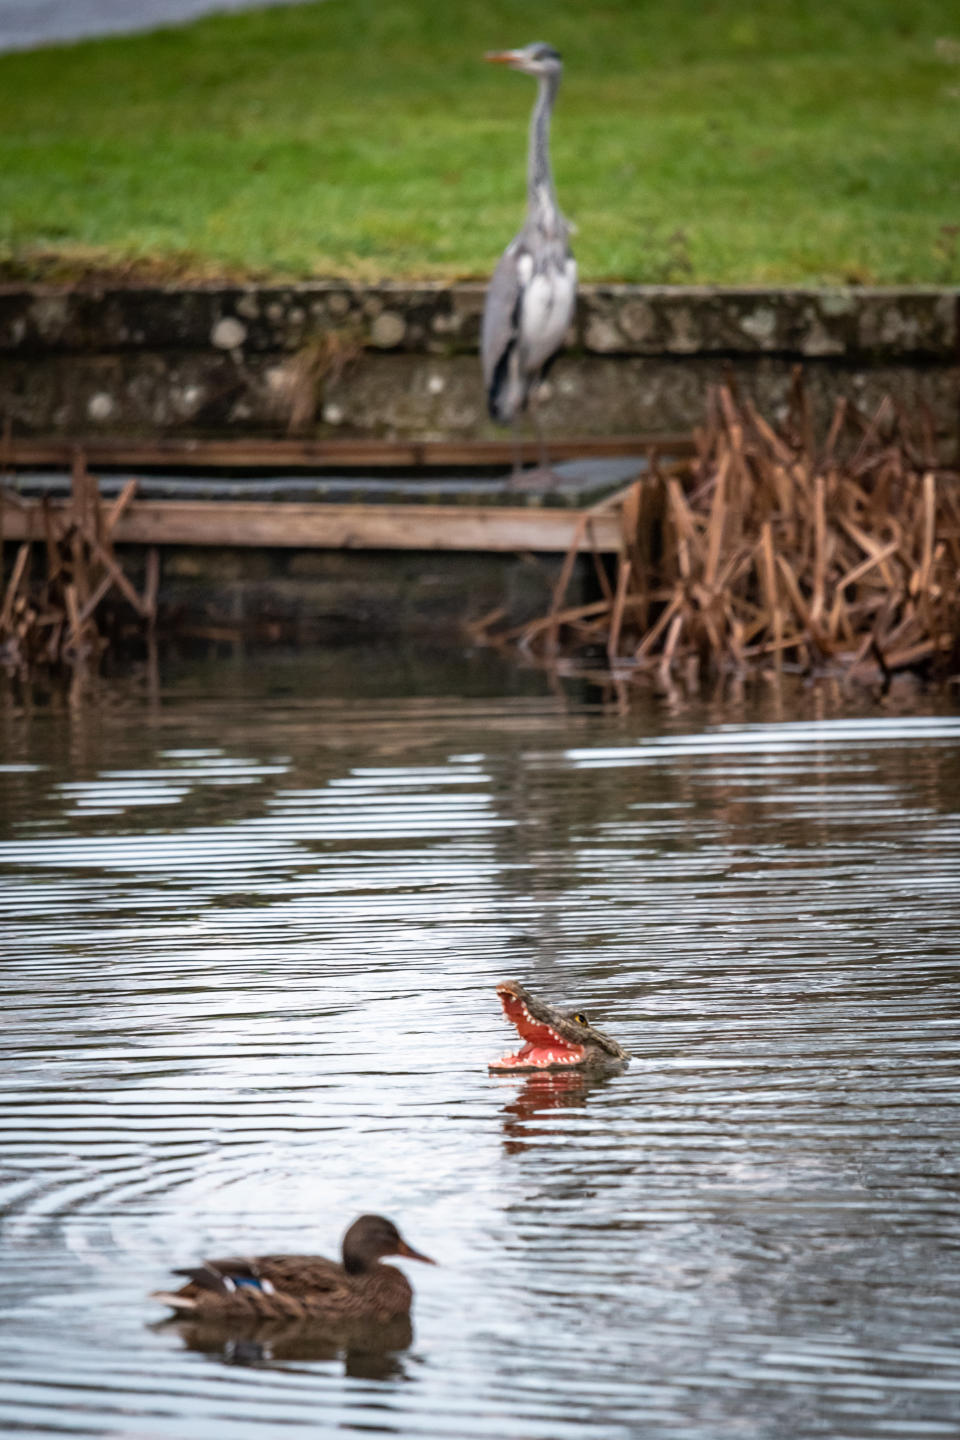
[545,472]
[543,458]
[517,448]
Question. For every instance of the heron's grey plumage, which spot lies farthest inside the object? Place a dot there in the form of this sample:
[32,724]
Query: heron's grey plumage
[531,297]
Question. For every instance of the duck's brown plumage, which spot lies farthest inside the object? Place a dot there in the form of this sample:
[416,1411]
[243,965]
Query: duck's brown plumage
[305,1287]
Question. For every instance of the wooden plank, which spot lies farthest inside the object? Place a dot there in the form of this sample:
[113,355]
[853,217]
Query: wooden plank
[350,527]
[268,454]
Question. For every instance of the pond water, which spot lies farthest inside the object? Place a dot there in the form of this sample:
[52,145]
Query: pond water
[253,915]
[27,23]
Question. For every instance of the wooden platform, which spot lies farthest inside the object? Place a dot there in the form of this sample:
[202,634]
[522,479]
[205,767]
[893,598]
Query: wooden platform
[254,453]
[332,526]
[234,493]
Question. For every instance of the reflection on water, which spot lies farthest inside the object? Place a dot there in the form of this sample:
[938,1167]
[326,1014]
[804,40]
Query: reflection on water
[370,1352]
[252,922]
[526,1113]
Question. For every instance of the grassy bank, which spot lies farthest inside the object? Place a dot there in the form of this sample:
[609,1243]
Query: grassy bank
[733,141]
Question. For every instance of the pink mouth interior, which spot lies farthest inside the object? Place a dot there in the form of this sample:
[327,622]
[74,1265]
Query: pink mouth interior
[545,1049]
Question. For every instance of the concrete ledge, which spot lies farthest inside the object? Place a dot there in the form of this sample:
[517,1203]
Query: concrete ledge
[338,596]
[892,324]
[400,360]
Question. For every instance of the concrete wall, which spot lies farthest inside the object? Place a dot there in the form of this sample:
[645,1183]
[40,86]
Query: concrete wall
[333,359]
[337,597]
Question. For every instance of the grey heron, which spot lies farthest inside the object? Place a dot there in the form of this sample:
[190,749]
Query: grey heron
[531,298]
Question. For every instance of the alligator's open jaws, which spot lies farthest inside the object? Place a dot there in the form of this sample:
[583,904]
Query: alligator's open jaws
[555,1039]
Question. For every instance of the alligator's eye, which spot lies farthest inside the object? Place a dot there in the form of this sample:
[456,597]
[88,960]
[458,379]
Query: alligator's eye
[580,1018]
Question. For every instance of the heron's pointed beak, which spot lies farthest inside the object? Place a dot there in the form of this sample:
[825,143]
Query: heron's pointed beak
[501,57]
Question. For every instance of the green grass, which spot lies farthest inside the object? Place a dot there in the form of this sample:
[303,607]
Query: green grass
[733,141]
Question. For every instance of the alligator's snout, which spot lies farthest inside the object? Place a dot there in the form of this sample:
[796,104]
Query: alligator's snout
[554,1039]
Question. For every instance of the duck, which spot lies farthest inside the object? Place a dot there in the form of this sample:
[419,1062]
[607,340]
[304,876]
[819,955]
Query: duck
[305,1287]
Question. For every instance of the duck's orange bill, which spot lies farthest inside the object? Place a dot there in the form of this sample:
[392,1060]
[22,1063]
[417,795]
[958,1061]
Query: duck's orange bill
[404,1249]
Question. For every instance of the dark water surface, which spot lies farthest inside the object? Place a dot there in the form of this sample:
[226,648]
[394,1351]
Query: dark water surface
[251,931]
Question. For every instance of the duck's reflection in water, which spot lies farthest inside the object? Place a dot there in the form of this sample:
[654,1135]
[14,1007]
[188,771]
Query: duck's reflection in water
[368,1352]
[556,1090]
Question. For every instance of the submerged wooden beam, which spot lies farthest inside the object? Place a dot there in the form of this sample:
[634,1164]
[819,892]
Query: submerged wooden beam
[336,526]
[268,454]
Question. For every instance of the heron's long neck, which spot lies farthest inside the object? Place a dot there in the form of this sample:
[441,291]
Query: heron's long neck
[540,189]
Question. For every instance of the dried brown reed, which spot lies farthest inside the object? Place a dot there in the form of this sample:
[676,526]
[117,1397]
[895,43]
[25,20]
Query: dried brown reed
[53,617]
[767,548]
[321,360]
